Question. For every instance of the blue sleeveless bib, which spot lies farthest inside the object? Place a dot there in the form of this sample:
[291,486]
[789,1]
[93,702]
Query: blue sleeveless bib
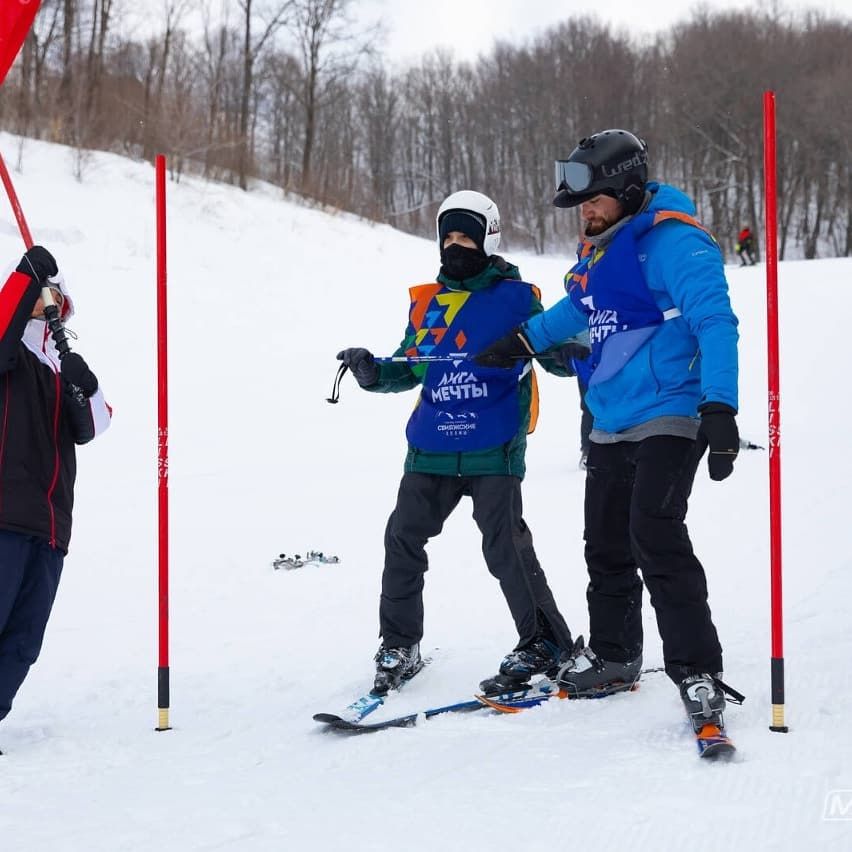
[462,406]
[608,285]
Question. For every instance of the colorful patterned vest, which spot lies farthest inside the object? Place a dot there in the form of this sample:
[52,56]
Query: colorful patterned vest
[464,407]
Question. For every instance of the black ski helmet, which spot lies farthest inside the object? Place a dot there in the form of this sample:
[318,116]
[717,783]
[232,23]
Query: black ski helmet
[612,162]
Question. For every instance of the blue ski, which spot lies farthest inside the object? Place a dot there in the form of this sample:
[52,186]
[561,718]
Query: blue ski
[407,721]
[371,701]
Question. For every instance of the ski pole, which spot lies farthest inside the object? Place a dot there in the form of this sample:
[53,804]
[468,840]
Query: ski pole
[453,356]
[421,359]
[415,359]
[393,359]
[51,312]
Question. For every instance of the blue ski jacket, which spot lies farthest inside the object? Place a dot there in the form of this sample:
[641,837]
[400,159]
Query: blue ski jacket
[691,357]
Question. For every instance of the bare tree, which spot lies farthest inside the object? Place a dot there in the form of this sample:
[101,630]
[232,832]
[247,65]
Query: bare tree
[69,9]
[329,50]
[252,47]
[101,11]
[217,49]
[159,50]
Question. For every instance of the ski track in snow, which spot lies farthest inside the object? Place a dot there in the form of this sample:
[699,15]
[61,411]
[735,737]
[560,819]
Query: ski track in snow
[263,293]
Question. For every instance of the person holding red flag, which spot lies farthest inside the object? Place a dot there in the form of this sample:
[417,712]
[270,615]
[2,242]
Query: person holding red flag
[47,406]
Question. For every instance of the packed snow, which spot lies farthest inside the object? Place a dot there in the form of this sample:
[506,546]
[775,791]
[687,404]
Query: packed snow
[262,293]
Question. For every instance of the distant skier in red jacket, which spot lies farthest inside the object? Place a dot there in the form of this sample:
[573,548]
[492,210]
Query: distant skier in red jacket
[745,247]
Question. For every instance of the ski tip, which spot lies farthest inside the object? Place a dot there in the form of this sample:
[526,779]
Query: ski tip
[496,705]
[514,702]
[327,718]
[722,751]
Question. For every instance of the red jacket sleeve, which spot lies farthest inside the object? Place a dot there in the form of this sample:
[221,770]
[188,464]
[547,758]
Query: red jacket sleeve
[17,299]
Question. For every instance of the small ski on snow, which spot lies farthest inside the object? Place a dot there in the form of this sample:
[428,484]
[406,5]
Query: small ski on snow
[704,702]
[713,743]
[407,721]
[297,561]
[362,706]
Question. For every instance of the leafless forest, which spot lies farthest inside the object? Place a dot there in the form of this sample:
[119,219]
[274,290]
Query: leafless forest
[297,94]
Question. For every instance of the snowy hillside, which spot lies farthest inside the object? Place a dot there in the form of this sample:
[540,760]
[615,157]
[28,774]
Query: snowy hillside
[263,293]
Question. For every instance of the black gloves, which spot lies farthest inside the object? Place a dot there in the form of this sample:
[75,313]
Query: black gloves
[718,430]
[38,263]
[506,351]
[75,371]
[563,355]
[363,365]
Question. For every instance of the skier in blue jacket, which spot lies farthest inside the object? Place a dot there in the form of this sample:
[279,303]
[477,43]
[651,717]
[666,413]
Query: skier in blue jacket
[649,286]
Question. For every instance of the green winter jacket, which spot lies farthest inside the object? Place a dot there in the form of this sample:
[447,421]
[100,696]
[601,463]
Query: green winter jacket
[508,459]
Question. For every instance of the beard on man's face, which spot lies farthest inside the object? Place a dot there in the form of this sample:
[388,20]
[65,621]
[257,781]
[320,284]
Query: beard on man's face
[595,227]
[600,215]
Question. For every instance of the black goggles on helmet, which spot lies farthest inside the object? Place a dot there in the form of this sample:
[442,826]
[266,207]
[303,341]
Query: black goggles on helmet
[575,177]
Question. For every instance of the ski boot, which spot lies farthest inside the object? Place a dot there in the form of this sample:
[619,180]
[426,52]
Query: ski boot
[394,666]
[704,700]
[586,675]
[541,656]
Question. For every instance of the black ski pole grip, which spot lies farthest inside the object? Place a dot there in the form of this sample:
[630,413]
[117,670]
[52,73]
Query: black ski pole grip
[57,330]
[60,338]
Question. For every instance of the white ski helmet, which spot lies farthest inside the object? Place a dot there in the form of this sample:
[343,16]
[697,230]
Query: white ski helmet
[481,207]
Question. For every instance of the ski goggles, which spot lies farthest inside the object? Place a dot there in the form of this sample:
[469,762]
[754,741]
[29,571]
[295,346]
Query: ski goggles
[575,177]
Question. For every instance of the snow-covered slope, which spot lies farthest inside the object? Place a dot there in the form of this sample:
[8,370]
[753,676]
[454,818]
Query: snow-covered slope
[263,293]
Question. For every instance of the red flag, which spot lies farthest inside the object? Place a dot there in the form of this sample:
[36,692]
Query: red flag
[16,18]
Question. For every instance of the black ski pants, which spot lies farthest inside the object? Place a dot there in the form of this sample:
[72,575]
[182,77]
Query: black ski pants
[424,502]
[636,502]
[29,576]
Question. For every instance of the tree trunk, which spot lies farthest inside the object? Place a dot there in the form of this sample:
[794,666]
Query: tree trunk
[248,60]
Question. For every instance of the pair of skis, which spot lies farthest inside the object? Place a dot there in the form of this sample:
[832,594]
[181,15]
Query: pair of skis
[711,740]
[352,718]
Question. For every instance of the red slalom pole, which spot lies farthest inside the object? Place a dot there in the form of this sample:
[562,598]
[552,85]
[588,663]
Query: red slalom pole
[769,171]
[162,451]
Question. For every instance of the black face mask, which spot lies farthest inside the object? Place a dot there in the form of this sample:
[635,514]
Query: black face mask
[460,263]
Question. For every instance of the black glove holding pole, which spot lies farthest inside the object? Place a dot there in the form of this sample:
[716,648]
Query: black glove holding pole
[39,264]
[718,431]
[75,371]
[506,351]
[567,353]
[362,364]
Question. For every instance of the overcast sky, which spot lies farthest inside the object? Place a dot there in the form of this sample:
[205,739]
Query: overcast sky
[470,27]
